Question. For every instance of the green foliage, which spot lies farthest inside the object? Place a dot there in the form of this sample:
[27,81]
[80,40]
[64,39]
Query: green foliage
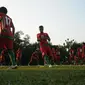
[68,43]
[26,40]
[19,42]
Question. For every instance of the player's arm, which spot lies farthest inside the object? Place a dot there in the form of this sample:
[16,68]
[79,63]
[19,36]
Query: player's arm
[38,38]
[48,38]
[13,28]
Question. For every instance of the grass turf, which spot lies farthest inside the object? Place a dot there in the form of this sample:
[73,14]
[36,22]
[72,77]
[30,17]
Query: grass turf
[39,75]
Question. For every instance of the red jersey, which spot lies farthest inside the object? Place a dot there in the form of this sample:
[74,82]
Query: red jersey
[54,53]
[79,52]
[42,37]
[19,53]
[58,54]
[5,25]
[76,59]
[83,51]
[71,52]
[83,48]
[35,55]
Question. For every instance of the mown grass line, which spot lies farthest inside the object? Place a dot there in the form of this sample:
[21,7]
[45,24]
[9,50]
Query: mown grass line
[35,75]
[59,67]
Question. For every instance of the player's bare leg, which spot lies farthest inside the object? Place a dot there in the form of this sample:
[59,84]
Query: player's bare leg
[47,61]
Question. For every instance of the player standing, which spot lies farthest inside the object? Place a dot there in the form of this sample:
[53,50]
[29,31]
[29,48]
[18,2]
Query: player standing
[43,39]
[71,56]
[57,55]
[83,52]
[54,55]
[7,34]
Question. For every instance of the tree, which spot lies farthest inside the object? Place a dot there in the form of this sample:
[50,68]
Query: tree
[17,40]
[22,43]
[26,41]
[68,43]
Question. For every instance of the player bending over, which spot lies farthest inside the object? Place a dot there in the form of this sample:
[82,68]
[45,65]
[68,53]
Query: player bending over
[34,58]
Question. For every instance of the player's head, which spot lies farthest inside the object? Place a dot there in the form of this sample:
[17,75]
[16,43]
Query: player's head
[3,10]
[41,28]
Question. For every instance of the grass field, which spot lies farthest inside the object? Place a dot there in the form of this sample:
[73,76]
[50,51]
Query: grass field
[39,75]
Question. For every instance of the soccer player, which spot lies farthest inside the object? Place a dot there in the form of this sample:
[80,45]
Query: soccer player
[76,60]
[83,52]
[54,55]
[71,56]
[7,30]
[58,56]
[1,58]
[35,58]
[43,39]
[79,55]
[71,53]
[2,55]
[79,52]
[18,56]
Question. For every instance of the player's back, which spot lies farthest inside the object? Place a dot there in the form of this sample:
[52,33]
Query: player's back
[5,24]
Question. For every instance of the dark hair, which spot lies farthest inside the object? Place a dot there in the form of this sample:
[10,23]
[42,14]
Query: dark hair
[40,26]
[3,10]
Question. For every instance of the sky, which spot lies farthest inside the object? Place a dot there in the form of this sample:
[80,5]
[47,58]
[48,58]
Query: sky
[61,19]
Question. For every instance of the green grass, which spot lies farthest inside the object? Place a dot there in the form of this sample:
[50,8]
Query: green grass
[35,75]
